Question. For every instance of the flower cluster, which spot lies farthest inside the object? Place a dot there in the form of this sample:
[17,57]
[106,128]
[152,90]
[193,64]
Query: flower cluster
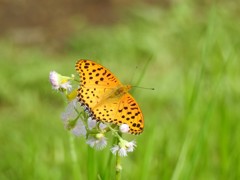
[59,82]
[78,122]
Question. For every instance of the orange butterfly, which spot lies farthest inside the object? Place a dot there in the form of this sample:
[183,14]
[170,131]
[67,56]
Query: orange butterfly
[105,98]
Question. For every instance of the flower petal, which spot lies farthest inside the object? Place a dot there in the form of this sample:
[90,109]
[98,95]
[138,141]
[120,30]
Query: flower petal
[79,129]
[124,128]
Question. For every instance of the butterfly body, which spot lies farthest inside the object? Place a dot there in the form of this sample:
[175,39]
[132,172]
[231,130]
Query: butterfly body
[120,91]
[105,98]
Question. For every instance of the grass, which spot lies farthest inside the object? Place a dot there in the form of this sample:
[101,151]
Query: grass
[191,119]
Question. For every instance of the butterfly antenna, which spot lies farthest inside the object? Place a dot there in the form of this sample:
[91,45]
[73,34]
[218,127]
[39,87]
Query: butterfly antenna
[144,71]
[143,87]
[133,75]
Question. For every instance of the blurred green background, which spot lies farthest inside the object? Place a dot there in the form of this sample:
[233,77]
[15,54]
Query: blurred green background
[189,51]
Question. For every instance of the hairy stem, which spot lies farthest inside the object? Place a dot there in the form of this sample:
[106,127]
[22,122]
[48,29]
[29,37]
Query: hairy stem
[118,163]
[118,167]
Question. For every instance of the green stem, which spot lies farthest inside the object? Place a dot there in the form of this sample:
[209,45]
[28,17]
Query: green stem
[115,133]
[118,167]
[118,161]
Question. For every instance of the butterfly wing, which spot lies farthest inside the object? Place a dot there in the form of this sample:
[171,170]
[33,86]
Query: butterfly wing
[95,75]
[124,110]
[131,114]
[97,83]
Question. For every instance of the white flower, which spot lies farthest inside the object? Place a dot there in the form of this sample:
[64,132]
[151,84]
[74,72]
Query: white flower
[66,85]
[99,141]
[79,129]
[124,128]
[69,117]
[102,126]
[54,79]
[91,123]
[130,146]
[123,147]
[117,149]
[70,112]
[59,82]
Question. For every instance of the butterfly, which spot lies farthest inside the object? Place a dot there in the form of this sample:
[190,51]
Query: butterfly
[105,98]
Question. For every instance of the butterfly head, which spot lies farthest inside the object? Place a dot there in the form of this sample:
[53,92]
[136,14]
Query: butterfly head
[128,87]
[122,90]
